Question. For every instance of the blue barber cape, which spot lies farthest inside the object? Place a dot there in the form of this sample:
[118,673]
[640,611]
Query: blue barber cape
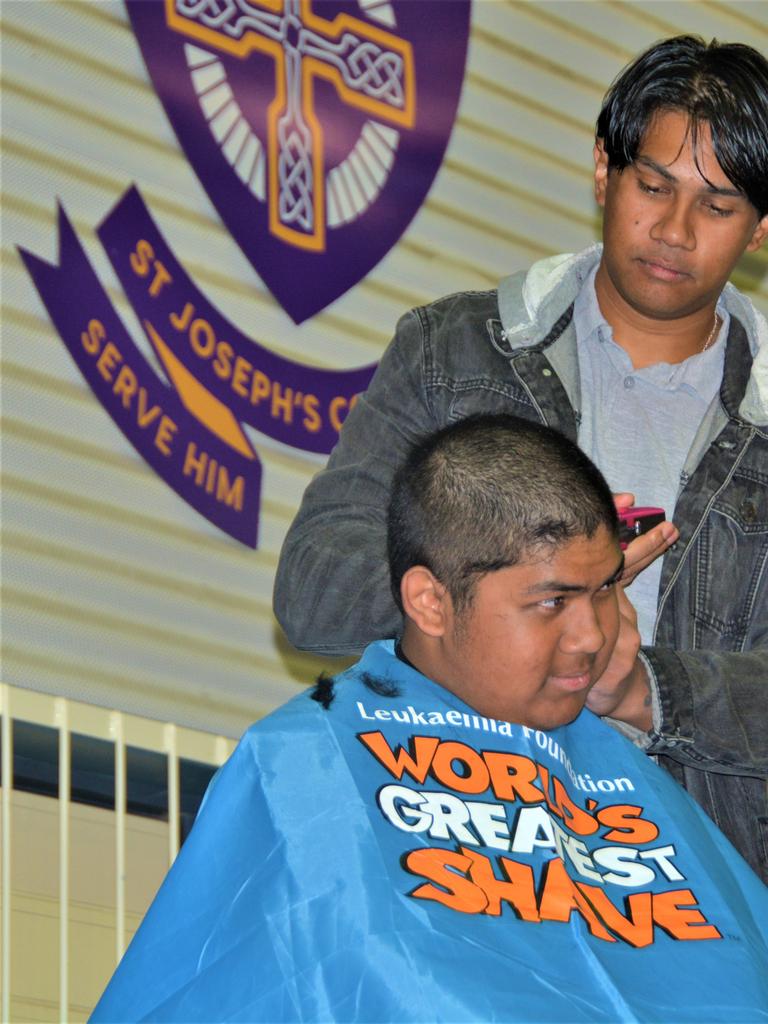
[397,857]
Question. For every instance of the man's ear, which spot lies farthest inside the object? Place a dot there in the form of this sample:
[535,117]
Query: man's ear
[601,171]
[759,236]
[426,601]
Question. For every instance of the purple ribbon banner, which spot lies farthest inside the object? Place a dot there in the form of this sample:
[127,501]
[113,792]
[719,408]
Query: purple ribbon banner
[213,366]
[191,432]
[218,478]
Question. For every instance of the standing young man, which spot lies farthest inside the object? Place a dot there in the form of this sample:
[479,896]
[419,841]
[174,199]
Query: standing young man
[644,353]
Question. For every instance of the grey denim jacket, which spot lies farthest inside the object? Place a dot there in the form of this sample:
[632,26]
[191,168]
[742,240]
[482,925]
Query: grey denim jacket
[514,350]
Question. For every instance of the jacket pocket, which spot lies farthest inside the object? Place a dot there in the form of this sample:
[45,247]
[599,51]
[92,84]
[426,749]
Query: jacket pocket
[731,570]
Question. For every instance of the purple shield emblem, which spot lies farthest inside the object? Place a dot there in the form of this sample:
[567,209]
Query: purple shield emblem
[315,126]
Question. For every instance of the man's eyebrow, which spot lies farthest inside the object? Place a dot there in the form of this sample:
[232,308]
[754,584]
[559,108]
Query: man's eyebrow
[547,586]
[660,169]
[666,174]
[556,585]
[615,576]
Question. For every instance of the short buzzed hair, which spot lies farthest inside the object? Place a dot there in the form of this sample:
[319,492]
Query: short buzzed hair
[484,493]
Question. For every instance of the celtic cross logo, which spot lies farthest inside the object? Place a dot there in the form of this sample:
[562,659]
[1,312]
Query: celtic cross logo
[370,69]
[315,126]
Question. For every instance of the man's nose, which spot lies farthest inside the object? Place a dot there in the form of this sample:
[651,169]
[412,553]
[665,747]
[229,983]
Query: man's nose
[583,634]
[674,226]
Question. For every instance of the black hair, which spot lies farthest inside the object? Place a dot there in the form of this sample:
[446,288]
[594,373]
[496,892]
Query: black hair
[483,493]
[723,85]
[324,690]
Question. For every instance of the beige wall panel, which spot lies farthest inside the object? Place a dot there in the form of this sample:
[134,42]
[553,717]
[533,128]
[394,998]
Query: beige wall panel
[534,33]
[35,901]
[116,590]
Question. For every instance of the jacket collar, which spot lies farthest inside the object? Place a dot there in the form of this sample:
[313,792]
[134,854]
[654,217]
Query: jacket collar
[530,303]
[754,404]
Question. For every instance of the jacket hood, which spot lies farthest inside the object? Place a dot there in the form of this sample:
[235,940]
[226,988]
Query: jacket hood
[529,303]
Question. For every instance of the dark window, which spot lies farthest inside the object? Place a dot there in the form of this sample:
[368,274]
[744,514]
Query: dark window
[35,758]
[147,773]
[93,771]
[194,777]
[36,770]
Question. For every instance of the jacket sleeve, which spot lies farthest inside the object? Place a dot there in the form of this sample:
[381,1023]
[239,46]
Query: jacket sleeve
[712,709]
[332,593]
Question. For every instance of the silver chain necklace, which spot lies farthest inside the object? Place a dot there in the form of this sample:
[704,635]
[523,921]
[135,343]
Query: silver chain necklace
[711,335]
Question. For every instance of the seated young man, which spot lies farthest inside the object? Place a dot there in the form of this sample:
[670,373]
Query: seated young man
[443,832]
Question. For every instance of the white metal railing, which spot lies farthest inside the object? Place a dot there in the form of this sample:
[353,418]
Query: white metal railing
[61,717]
[123,730]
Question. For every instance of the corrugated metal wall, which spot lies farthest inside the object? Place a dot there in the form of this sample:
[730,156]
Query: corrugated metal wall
[115,591]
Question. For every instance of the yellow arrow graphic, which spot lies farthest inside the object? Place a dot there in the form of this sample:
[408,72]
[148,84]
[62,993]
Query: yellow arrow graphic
[198,400]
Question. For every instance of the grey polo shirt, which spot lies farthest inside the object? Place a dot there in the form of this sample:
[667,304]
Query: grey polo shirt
[638,425]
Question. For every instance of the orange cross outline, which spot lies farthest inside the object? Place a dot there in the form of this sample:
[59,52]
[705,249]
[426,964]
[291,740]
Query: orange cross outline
[252,41]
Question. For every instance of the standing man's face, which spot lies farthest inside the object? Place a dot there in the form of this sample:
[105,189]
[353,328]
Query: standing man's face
[672,233]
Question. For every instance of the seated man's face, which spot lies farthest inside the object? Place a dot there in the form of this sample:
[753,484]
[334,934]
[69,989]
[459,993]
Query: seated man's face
[537,635]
